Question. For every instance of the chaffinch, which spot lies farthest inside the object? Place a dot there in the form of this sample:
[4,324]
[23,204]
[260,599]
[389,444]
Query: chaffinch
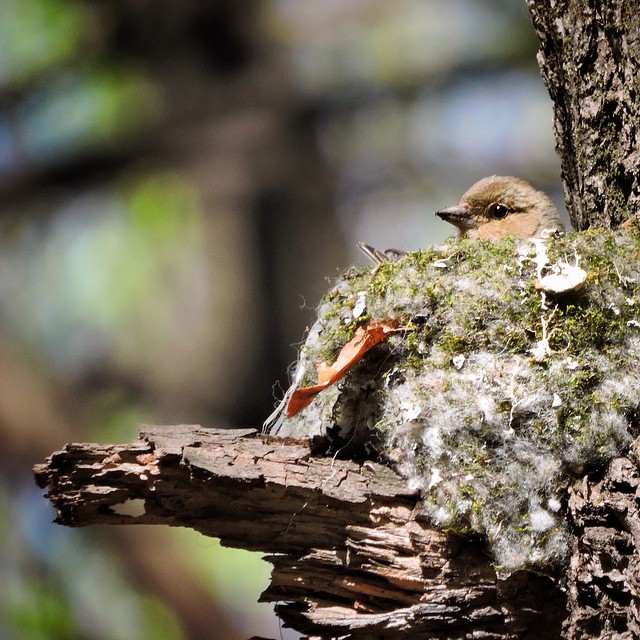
[501,207]
[494,207]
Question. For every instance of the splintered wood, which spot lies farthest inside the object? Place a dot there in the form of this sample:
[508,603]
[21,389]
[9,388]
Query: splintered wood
[351,553]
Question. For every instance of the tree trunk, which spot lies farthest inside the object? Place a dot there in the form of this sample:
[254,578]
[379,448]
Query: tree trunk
[589,59]
[604,571]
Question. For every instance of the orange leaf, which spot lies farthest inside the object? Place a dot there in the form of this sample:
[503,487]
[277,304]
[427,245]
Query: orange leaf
[365,338]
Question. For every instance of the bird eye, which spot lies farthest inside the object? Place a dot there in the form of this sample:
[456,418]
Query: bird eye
[498,211]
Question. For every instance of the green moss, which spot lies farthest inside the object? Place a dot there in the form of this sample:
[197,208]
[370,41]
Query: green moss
[455,343]
[582,380]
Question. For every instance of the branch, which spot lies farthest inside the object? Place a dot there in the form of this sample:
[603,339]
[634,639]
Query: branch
[354,555]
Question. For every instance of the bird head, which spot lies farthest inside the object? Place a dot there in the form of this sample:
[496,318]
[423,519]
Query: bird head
[500,207]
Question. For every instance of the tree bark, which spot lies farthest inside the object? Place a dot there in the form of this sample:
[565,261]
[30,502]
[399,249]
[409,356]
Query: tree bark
[351,552]
[589,58]
[604,571]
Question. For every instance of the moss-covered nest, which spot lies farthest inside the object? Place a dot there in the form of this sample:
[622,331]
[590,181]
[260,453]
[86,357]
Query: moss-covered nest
[497,390]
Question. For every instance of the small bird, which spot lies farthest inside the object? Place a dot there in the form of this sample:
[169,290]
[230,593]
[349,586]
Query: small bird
[501,207]
[494,207]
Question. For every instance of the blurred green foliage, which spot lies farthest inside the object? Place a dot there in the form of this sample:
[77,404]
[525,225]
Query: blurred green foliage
[238,576]
[60,584]
[35,610]
[90,110]
[114,264]
[36,35]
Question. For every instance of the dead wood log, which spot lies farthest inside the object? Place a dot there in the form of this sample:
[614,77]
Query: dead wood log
[352,555]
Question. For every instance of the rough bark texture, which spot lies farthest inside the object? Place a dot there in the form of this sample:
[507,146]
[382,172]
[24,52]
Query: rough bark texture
[604,572]
[354,556]
[589,58]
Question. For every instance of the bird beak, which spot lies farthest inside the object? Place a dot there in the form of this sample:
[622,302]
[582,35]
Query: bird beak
[458,216]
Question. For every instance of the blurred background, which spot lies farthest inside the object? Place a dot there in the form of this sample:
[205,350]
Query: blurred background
[179,183]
